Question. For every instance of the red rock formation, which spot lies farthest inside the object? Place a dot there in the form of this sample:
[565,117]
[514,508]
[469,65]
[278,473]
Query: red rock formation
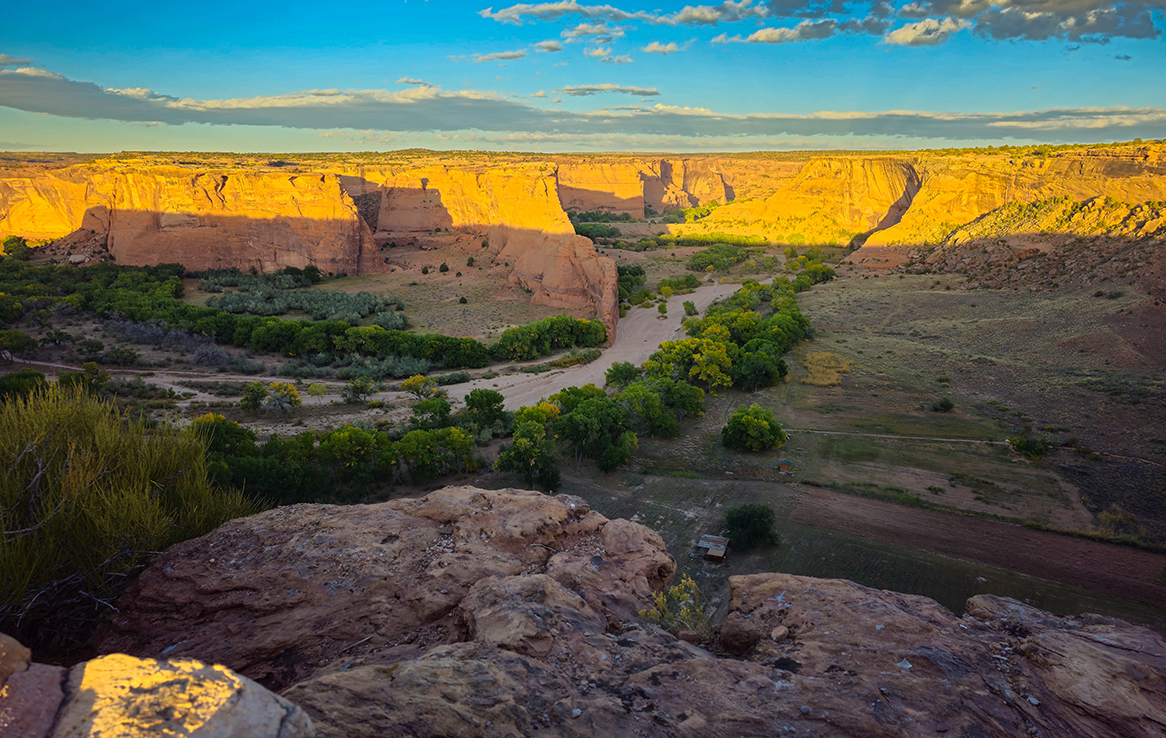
[507,613]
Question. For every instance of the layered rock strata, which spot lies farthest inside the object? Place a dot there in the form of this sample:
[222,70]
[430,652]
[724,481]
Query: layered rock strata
[508,613]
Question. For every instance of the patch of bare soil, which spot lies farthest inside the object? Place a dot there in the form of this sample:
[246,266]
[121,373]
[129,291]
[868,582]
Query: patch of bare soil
[1108,569]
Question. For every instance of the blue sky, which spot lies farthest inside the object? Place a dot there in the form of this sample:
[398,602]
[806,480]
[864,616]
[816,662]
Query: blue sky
[579,76]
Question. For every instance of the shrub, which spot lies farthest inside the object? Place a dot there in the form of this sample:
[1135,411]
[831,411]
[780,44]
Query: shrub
[318,391]
[680,608]
[76,519]
[123,356]
[282,397]
[209,354]
[443,268]
[358,390]
[750,525]
[425,270]
[662,308]
[17,342]
[254,394]
[943,405]
[689,308]
[21,383]
[462,301]
[470,261]
[752,428]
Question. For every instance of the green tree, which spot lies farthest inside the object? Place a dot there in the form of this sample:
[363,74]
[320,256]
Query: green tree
[225,437]
[431,413]
[752,428]
[18,342]
[597,428]
[570,398]
[443,268]
[485,407]
[689,307]
[531,455]
[648,407]
[748,526]
[621,373]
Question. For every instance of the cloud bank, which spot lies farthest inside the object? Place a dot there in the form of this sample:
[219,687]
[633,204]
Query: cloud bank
[429,109]
[914,23]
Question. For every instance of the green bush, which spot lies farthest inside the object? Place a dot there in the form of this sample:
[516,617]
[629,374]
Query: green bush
[88,495]
[752,428]
[943,405]
[748,526]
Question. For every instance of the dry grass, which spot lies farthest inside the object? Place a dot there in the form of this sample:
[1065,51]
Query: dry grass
[824,369]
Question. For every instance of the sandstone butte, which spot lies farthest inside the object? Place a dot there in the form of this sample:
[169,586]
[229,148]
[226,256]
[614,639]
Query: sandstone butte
[345,214]
[510,613]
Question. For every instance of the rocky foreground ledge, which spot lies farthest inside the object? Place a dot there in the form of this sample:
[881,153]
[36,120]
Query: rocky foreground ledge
[505,613]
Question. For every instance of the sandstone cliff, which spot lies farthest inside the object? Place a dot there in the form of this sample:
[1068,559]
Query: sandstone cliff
[515,209]
[210,218]
[508,613]
[205,219]
[956,190]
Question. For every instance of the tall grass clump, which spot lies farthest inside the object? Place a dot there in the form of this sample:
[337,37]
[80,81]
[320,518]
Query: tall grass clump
[88,496]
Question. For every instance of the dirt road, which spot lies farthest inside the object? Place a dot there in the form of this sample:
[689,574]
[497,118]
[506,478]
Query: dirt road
[1106,568]
[636,338]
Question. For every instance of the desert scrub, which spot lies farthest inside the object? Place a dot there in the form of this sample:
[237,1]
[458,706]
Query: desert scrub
[680,608]
[90,494]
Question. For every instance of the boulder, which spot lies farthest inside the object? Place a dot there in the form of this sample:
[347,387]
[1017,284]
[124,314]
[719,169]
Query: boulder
[119,696]
[280,595]
[14,657]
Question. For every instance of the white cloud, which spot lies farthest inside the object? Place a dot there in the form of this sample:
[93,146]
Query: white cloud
[499,56]
[663,49]
[14,61]
[412,81]
[1034,20]
[516,14]
[594,29]
[32,72]
[589,90]
[623,59]
[597,51]
[549,47]
[927,32]
[804,31]
[710,15]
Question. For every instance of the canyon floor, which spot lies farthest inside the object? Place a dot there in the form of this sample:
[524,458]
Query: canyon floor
[867,455]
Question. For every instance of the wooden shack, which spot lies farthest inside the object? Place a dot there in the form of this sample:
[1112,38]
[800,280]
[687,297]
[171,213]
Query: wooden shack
[714,547]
